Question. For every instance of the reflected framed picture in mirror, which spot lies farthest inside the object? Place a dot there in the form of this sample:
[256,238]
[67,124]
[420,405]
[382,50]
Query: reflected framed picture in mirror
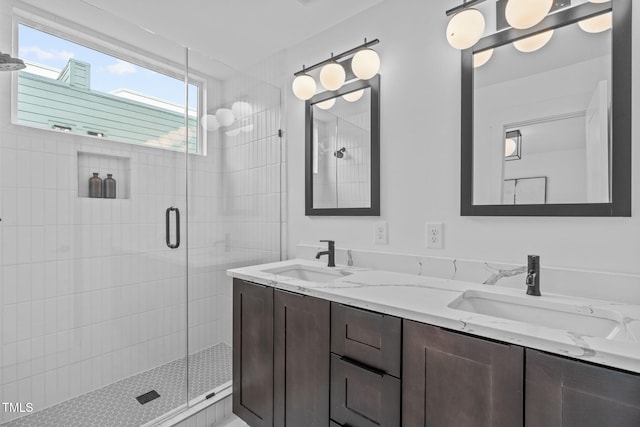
[343,151]
[525,191]
[560,109]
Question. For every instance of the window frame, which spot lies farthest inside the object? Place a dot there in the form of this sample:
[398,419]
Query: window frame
[118,49]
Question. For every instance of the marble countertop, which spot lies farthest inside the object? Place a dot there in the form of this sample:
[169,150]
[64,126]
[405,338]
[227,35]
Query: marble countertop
[427,299]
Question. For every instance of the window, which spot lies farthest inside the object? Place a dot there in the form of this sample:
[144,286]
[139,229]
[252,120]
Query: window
[72,88]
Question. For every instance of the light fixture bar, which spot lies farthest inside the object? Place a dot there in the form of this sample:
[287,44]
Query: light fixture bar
[463,6]
[341,55]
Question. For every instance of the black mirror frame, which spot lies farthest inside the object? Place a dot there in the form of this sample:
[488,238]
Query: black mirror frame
[620,205]
[374,210]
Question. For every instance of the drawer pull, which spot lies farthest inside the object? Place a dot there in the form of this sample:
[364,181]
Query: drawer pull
[295,294]
[362,366]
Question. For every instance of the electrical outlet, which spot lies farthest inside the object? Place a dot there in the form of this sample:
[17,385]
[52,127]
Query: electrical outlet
[380,233]
[434,235]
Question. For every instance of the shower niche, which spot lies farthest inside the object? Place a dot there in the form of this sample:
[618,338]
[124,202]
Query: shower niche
[103,164]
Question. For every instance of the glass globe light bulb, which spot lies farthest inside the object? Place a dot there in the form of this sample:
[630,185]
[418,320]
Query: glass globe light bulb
[325,105]
[365,64]
[522,14]
[225,117]
[304,87]
[597,24]
[353,96]
[332,76]
[481,58]
[509,147]
[533,43]
[465,29]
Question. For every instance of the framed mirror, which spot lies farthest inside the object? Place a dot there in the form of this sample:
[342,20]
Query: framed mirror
[343,151]
[547,132]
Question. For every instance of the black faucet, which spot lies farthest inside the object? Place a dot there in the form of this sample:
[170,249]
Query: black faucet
[533,275]
[331,252]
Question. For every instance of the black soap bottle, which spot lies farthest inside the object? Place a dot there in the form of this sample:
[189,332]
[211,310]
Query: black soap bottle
[95,186]
[109,187]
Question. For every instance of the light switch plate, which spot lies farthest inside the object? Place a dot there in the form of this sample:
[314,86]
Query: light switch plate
[380,233]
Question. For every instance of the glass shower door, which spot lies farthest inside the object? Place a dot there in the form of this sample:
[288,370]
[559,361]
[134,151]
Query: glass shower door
[234,207]
[93,294]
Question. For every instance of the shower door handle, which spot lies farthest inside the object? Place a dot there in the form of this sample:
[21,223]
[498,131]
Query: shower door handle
[168,233]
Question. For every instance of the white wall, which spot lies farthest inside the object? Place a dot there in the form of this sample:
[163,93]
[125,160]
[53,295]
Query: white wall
[565,170]
[420,152]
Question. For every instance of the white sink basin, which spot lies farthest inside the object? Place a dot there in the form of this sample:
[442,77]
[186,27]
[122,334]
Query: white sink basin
[529,309]
[309,273]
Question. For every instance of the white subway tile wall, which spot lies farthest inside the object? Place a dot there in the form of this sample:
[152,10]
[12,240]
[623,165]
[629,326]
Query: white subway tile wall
[343,182]
[90,293]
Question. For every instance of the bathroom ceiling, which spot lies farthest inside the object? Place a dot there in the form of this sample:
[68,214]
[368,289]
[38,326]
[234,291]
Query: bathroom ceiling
[236,32]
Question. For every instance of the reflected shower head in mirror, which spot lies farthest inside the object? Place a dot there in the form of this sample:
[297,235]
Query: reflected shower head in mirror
[340,153]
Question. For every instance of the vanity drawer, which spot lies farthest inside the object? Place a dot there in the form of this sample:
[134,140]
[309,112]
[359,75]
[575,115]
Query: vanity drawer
[367,337]
[362,397]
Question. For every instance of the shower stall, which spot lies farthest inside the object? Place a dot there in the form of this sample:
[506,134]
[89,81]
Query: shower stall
[117,311]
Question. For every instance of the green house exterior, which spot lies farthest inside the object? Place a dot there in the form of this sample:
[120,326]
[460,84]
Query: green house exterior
[68,103]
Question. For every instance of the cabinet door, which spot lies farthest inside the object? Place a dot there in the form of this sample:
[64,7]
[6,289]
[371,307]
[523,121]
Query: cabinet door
[253,353]
[450,379]
[301,360]
[569,393]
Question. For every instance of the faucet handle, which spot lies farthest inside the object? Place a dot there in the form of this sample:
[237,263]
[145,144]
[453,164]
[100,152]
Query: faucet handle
[533,262]
[330,242]
[530,279]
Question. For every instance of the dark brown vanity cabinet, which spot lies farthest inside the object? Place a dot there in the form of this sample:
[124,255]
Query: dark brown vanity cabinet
[450,379]
[365,367]
[253,353]
[280,357]
[568,393]
[301,360]
[304,361]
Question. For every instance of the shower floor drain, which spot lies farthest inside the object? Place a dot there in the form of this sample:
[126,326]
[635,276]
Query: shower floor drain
[148,397]
[209,369]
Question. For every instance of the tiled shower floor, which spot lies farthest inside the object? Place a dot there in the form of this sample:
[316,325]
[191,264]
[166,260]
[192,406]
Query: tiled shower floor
[116,405]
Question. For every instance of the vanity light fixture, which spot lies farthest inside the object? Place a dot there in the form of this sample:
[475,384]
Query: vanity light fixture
[523,14]
[304,87]
[465,28]
[533,43]
[235,132]
[225,117]
[210,122]
[513,145]
[597,24]
[332,76]
[481,58]
[325,105]
[467,25]
[364,61]
[353,96]
[241,109]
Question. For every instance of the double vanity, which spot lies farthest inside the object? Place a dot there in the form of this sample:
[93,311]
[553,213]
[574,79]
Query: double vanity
[347,346]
